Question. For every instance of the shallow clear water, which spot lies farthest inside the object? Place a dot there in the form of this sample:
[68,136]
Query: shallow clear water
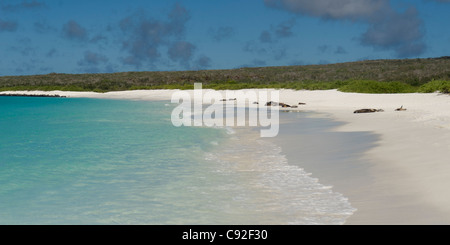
[89,161]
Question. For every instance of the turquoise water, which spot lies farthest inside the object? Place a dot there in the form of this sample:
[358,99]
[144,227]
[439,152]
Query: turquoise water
[90,161]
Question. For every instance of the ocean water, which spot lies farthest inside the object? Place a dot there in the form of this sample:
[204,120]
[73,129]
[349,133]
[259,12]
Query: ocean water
[91,161]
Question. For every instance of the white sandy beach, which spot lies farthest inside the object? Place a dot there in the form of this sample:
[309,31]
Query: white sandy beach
[409,176]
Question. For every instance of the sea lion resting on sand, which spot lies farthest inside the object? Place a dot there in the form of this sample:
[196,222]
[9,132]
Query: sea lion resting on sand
[368,110]
[284,105]
[400,109]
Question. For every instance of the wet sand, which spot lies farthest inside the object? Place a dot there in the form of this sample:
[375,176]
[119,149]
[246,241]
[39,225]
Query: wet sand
[343,162]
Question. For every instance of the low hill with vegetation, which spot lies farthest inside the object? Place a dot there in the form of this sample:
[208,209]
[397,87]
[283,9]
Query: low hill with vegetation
[371,76]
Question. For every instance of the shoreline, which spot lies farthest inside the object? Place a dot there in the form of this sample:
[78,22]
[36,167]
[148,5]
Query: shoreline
[381,193]
[407,172]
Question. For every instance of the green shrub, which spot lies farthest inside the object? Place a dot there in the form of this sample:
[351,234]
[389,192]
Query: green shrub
[435,86]
[375,87]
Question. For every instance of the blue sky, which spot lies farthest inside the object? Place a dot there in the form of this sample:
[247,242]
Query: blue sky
[95,36]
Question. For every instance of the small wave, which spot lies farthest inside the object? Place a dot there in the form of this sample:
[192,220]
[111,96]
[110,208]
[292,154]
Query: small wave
[230,130]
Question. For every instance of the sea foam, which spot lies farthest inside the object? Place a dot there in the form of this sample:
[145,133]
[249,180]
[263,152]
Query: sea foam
[262,184]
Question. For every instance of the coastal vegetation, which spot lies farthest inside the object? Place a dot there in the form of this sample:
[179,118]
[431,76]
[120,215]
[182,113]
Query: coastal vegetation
[372,76]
